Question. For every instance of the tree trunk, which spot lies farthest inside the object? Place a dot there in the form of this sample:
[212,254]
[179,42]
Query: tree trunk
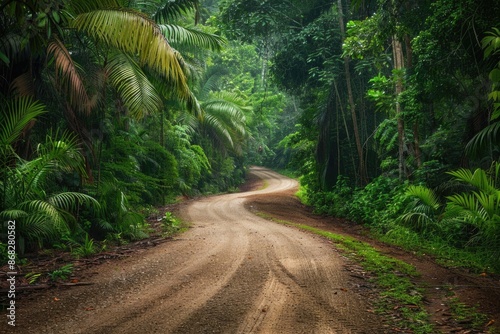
[416,132]
[398,66]
[341,109]
[352,105]
[162,127]
[265,58]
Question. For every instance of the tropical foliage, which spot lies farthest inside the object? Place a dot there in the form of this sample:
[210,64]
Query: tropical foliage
[386,110]
[101,119]
[396,101]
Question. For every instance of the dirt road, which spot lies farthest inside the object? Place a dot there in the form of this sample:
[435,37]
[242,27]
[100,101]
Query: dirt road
[232,272]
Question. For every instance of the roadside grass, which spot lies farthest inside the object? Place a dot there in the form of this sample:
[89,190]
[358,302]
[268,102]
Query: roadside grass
[466,315]
[397,293]
[478,260]
[440,250]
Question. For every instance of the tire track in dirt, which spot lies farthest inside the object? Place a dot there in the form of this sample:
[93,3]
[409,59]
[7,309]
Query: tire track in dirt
[232,272]
[290,282]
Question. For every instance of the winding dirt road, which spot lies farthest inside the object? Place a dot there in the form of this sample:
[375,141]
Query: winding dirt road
[232,272]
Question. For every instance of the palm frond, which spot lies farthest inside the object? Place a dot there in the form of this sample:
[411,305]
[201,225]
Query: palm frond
[223,115]
[418,220]
[237,99]
[23,85]
[18,113]
[483,140]
[37,228]
[210,84]
[423,211]
[68,76]
[55,154]
[465,201]
[174,9]
[132,32]
[137,92]
[104,225]
[490,202]
[68,201]
[425,195]
[11,45]
[64,151]
[188,69]
[38,208]
[211,81]
[222,134]
[13,214]
[194,106]
[227,112]
[231,117]
[191,37]
[479,179]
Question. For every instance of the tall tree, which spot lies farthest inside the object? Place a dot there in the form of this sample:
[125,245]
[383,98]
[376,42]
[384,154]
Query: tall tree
[352,105]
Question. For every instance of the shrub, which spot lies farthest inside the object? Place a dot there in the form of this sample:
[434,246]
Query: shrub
[381,200]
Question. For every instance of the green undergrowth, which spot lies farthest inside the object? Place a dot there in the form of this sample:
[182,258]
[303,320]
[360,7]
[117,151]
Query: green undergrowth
[438,249]
[291,173]
[393,277]
[467,315]
[172,225]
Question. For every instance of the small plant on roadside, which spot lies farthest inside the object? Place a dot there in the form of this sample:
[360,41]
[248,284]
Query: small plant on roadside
[87,248]
[149,210]
[478,209]
[62,273]
[138,231]
[116,238]
[170,224]
[67,243]
[32,277]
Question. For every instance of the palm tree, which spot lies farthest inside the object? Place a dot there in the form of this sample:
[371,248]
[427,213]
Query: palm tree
[223,120]
[121,47]
[489,138]
[423,212]
[221,115]
[478,210]
[142,33]
[39,215]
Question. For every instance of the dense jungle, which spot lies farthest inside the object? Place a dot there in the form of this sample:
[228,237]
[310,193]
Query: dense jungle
[114,113]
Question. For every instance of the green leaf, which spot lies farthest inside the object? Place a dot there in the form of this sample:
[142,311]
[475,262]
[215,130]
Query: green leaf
[17,114]
[495,75]
[56,16]
[192,37]
[4,58]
